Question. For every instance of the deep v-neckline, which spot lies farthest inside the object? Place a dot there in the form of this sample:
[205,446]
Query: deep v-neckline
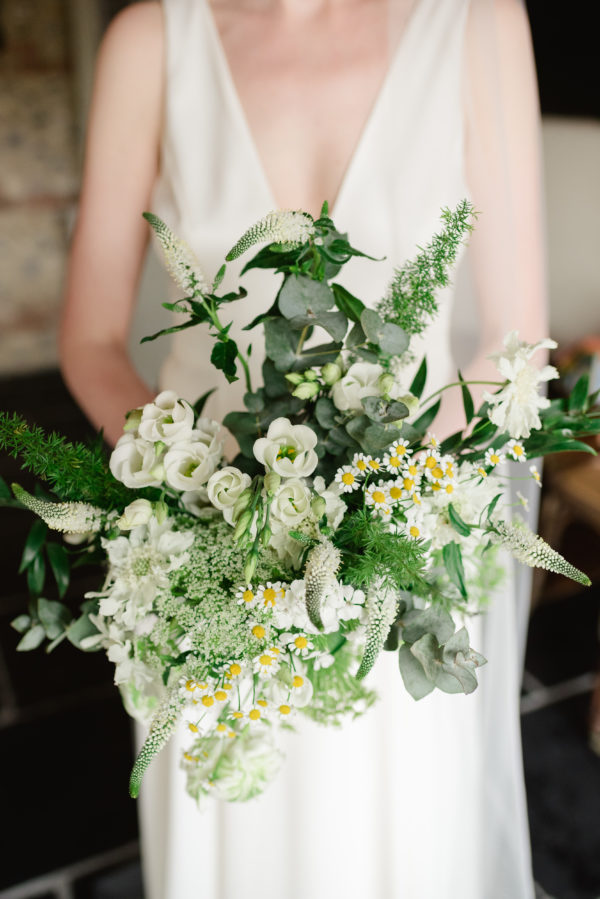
[239,113]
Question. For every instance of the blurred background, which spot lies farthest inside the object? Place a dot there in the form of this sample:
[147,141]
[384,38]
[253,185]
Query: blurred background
[65,742]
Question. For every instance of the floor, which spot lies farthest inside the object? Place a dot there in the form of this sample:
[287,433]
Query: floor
[65,747]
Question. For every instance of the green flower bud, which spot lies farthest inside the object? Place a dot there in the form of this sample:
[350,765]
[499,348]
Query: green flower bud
[385,382]
[331,373]
[318,506]
[250,567]
[243,524]
[242,502]
[161,511]
[307,390]
[133,419]
[272,482]
[266,535]
[158,472]
[294,378]
[411,402]
[310,375]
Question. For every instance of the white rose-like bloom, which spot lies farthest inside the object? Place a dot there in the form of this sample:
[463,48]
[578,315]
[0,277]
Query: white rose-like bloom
[224,488]
[516,407]
[136,463]
[359,381]
[291,503]
[287,449]
[207,431]
[136,513]
[188,466]
[168,419]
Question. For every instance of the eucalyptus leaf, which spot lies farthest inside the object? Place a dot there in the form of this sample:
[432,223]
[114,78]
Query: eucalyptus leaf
[79,630]
[54,617]
[384,411]
[427,650]
[21,623]
[356,336]
[326,412]
[335,323]
[413,675]
[274,381]
[280,343]
[255,402]
[300,295]
[32,639]
[434,620]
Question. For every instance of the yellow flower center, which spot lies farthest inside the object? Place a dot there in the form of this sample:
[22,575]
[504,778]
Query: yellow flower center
[395,492]
[374,464]
[348,478]
[238,714]
[247,595]
[412,470]
[408,483]
[437,472]
[361,465]
[297,681]
[430,462]
[482,472]
[394,461]
[220,695]
[254,714]
[269,596]
[221,728]
[265,660]
[262,702]
[258,631]
[193,728]
[227,686]
[517,450]
[235,669]
[301,642]
[275,650]
[414,531]
[287,452]
[494,459]
[449,488]
[378,496]
[284,710]
[190,685]
[208,701]
[435,486]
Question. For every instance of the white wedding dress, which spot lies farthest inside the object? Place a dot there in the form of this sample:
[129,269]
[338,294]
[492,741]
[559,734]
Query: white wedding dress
[414,800]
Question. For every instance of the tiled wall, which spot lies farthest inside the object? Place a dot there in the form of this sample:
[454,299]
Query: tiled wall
[38,177]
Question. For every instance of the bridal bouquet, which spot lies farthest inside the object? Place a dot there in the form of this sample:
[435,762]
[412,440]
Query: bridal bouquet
[240,594]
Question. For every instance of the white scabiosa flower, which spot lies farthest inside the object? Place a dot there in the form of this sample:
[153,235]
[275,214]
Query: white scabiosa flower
[284,227]
[168,419]
[515,408]
[224,488]
[136,463]
[71,518]
[179,259]
[287,449]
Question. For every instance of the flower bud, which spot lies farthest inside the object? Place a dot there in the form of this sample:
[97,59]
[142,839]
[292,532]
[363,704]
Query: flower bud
[241,503]
[307,390]
[161,511]
[158,472]
[331,373]
[385,382]
[294,378]
[310,375]
[250,567]
[272,482]
[243,524]
[411,402]
[318,506]
[133,419]
[266,535]
[138,512]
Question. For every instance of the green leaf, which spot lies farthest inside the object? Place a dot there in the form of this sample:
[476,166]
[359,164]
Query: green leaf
[350,305]
[36,575]
[467,399]
[201,402]
[223,356]
[21,623]
[427,651]
[413,675]
[300,295]
[254,402]
[274,381]
[219,277]
[270,258]
[280,343]
[383,411]
[32,639]
[54,617]
[452,556]
[578,397]
[59,563]
[325,413]
[451,443]
[423,421]
[483,431]
[335,323]
[433,620]
[457,523]
[389,337]
[33,544]
[540,444]
[492,506]
[356,336]
[79,629]
[5,492]
[419,380]
[174,328]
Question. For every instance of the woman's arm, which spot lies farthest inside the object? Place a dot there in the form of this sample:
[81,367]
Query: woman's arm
[110,238]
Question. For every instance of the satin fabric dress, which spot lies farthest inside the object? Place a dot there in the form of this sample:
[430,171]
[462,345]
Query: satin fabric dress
[413,800]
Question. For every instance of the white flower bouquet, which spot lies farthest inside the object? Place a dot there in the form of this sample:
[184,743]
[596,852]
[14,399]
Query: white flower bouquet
[242,593]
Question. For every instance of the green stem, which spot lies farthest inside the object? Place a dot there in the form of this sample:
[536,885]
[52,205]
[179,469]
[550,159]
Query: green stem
[301,340]
[216,323]
[460,384]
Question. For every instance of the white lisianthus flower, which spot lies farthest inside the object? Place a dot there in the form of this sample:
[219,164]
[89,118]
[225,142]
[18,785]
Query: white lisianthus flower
[136,463]
[188,466]
[335,507]
[136,513]
[208,431]
[168,419]
[195,501]
[224,488]
[516,407]
[361,380]
[291,503]
[287,449]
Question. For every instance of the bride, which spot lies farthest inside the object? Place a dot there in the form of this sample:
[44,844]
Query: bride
[210,114]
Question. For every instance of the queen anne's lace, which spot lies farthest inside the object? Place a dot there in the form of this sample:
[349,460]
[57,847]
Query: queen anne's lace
[284,227]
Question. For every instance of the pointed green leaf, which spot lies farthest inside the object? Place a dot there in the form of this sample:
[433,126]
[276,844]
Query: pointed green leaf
[32,639]
[457,523]
[467,399]
[578,397]
[350,305]
[36,575]
[201,402]
[223,356]
[423,421]
[419,380]
[33,544]
[59,563]
[452,556]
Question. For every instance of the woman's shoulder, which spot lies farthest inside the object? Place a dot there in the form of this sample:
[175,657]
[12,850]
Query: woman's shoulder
[138,31]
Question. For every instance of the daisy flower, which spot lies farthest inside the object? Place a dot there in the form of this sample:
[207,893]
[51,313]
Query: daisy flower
[247,597]
[347,477]
[493,457]
[517,450]
[376,496]
[361,462]
[535,475]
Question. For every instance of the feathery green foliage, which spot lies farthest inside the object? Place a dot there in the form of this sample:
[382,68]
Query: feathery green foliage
[74,471]
[410,301]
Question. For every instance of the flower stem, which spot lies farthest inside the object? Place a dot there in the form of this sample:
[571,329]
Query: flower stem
[460,384]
